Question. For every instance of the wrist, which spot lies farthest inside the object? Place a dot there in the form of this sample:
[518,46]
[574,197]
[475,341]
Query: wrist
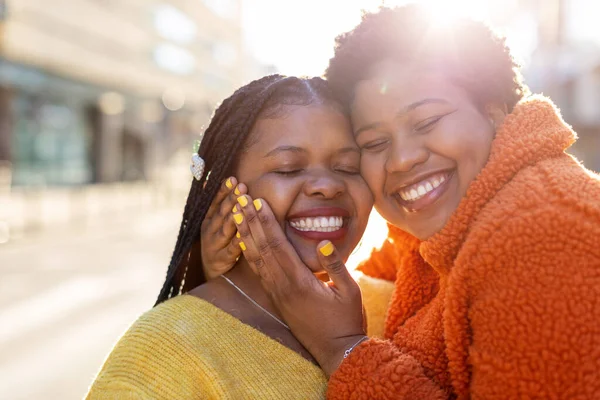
[343,350]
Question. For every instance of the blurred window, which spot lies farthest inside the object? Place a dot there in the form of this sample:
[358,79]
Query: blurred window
[174,59]
[173,24]
[50,144]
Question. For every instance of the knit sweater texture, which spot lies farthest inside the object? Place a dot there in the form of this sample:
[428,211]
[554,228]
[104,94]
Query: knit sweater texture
[186,348]
[504,301]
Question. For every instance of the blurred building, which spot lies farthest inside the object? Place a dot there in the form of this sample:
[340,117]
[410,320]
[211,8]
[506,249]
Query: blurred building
[566,67]
[107,90]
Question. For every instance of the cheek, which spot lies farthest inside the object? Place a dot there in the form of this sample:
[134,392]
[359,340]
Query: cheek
[467,144]
[277,192]
[363,200]
[372,169]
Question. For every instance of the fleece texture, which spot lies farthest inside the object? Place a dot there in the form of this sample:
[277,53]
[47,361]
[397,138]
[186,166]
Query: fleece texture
[504,301]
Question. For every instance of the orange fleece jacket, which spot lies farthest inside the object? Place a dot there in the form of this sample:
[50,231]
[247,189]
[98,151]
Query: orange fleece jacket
[504,301]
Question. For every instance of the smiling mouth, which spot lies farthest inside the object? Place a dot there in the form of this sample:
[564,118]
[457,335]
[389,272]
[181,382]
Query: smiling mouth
[318,224]
[423,193]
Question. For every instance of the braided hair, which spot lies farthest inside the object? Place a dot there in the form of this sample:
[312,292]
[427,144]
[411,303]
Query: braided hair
[224,139]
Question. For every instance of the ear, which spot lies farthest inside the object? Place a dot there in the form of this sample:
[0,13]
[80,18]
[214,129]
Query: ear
[496,113]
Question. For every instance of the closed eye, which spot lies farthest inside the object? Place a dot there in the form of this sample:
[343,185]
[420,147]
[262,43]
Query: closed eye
[375,145]
[288,172]
[428,123]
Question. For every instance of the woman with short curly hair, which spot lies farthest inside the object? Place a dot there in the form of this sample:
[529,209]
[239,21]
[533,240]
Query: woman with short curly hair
[494,229]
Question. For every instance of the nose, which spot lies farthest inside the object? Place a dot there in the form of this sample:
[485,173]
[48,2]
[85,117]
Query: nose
[324,184]
[405,154]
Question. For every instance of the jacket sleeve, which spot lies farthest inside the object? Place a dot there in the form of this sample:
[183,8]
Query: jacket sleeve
[535,307]
[378,370]
[383,262]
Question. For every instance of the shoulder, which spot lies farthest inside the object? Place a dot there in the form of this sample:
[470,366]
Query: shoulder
[161,356]
[551,200]
[545,222]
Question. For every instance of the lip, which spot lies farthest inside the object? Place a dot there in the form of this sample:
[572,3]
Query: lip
[429,198]
[321,212]
[421,177]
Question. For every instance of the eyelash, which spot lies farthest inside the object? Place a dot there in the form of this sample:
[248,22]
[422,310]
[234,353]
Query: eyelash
[288,173]
[429,125]
[297,171]
[373,146]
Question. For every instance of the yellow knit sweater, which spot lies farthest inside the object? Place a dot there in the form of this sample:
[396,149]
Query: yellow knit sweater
[186,348]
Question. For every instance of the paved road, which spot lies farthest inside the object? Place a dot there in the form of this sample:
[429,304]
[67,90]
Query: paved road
[66,297]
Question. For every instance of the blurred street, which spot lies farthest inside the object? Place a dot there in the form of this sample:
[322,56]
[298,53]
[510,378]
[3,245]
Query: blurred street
[62,310]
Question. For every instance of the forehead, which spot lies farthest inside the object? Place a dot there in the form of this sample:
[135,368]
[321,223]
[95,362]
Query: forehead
[391,85]
[311,127]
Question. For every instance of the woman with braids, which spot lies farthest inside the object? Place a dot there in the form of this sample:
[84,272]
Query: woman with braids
[291,143]
[494,238]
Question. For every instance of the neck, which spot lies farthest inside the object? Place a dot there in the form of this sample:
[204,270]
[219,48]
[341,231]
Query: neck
[243,276]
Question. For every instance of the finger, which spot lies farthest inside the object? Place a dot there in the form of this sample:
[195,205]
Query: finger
[226,187]
[233,248]
[246,244]
[273,245]
[230,202]
[266,264]
[225,230]
[331,262]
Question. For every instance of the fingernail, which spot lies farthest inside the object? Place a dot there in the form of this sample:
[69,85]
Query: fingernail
[234,209]
[237,191]
[242,246]
[327,249]
[243,201]
[228,183]
[238,218]
[257,204]
[237,235]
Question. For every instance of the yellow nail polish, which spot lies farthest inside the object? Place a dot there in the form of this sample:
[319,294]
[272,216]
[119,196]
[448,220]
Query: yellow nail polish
[237,235]
[257,204]
[327,249]
[228,183]
[234,209]
[238,218]
[243,201]
[242,246]
[237,191]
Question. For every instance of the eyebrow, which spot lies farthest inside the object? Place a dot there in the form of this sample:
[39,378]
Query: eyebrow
[402,111]
[300,150]
[282,149]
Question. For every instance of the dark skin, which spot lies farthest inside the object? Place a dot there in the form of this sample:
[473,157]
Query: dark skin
[417,130]
[304,159]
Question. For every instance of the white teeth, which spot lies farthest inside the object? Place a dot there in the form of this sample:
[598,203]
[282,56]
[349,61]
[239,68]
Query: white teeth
[324,222]
[420,189]
[318,224]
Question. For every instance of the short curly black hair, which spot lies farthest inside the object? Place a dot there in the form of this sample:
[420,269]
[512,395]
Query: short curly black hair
[471,53]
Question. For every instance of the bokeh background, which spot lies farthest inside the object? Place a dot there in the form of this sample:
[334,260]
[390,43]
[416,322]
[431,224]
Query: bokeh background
[100,103]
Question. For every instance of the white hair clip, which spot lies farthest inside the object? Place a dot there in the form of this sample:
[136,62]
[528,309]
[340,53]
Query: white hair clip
[197,166]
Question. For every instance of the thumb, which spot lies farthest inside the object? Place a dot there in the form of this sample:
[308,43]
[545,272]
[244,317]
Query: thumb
[332,263]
